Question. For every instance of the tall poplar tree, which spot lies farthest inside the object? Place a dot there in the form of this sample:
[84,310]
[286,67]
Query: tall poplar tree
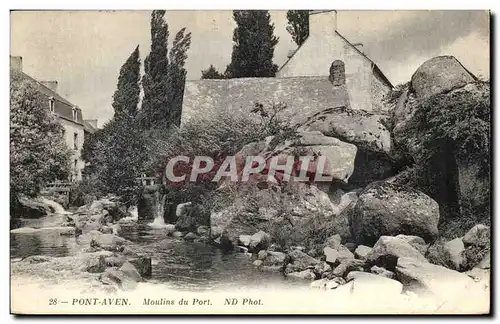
[177,74]
[298,25]
[254,43]
[126,96]
[155,108]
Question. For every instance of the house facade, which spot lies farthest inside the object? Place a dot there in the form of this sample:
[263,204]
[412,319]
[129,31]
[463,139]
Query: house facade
[69,115]
[325,46]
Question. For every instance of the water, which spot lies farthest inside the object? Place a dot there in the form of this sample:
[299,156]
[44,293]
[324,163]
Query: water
[176,263]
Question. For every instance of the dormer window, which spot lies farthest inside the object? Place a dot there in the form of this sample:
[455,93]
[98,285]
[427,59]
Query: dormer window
[75,113]
[51,104]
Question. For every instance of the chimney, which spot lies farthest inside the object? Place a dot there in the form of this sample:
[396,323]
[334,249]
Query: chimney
[322,22]
[52,85]
[16,63]
[92,122]
[359,46]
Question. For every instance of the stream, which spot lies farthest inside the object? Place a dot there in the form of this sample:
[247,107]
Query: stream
[179,264]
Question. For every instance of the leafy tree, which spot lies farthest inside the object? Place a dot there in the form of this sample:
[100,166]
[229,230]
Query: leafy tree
[177,74]
[155,103]
[126,96]
[38,152]
[212,73]
[298,25]
[254,43]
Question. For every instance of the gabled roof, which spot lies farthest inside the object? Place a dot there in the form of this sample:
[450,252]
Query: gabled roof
[376,69]
[62,107]
[87,127]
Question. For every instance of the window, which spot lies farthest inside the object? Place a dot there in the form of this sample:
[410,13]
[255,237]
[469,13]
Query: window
[75,141]
[51,104]
[75,113]
[337,73]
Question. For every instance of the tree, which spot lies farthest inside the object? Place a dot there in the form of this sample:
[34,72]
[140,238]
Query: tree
[38,152]
[211,73]
[126,96]
[254,43]
[177,74]
[298,25]
[155,107]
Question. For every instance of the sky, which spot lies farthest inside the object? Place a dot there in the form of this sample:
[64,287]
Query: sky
[84,50]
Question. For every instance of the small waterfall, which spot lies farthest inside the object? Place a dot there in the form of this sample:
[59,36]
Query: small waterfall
[133,211]
[58,209]
[158,221]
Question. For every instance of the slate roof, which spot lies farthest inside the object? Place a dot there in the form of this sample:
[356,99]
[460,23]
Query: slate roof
[303,96]
[62,107]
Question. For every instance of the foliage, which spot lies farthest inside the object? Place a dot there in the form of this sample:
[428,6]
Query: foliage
[38,152]
[126,96]
[212,73]
[254,43]
[165,75]
[177,75]
[155,103]
[298,25]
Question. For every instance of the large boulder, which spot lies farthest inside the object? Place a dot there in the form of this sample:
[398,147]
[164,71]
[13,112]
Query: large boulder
[388,250]
[300,261]
[32,208]
[124,280]
[143,265]
[190,217]
[390,209]
[439,74]
[374,159]
[417,242]
[108,242]
[422,278]
[448,254]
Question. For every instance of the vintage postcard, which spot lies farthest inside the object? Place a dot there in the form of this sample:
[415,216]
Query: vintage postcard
[250,162]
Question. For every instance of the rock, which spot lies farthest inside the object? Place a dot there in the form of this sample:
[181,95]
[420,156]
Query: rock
[426,278]
[302,261]
[485,262]
[362,252]
[109,242]
[351,246]
[382,272]
[190,236]
[177,234]
[274,268]
[32,208]
[129,270]
[143,265]
[113,276]
[258,263]
[347,266]
[332,284]
[358,127]
[259,241]
[94,263]
[272,258]
[23,230]
[203,230]
[388,250]
[115,261]
[374,286]
[33,259]
[245,239]
[321,283]
[479,235]
[439,74]
[106,230]
[307,274]
[340,255]
[191,217]
[448,254]
[391,209]
[170,229]
[417,242]
[322,268]
[127,250]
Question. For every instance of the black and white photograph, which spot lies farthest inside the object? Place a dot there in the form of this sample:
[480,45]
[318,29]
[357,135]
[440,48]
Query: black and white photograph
[243,162]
